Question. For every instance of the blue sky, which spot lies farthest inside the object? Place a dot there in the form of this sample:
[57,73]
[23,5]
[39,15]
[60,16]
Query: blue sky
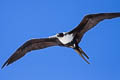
[21,20]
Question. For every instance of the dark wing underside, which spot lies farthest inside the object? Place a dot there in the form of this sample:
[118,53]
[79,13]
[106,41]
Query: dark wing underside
[30,45]
[90,21]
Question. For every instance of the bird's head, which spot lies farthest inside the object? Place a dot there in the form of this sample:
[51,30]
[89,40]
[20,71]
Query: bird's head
[61,34]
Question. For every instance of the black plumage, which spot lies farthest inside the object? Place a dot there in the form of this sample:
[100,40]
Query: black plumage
[88,22]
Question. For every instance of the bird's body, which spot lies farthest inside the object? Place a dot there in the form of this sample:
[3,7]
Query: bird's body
[66,38]
[69,39]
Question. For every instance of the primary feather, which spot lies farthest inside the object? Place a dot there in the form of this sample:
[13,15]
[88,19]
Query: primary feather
[30,45]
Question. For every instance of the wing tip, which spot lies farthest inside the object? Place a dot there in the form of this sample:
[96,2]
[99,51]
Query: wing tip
[5,64]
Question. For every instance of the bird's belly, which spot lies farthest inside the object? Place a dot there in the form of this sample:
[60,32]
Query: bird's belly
[66,39]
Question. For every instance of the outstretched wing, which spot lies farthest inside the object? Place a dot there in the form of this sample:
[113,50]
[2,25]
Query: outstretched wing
[89,21]
[30,45]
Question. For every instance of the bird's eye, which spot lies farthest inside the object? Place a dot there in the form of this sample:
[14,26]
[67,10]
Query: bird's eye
[60,35]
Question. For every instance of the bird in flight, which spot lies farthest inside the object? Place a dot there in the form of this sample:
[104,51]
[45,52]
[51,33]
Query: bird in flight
[69,39]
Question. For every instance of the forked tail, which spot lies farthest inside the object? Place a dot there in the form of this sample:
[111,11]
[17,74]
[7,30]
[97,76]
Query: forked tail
[81,53]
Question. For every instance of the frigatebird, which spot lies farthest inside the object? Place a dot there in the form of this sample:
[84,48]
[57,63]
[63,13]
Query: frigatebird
[69,39]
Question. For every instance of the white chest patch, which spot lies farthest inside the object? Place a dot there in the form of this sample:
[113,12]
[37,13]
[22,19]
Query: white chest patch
[66,39]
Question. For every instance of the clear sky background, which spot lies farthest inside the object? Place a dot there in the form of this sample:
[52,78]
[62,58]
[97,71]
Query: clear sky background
[21,20]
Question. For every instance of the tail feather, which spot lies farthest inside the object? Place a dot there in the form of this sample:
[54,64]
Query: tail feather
[79,52]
